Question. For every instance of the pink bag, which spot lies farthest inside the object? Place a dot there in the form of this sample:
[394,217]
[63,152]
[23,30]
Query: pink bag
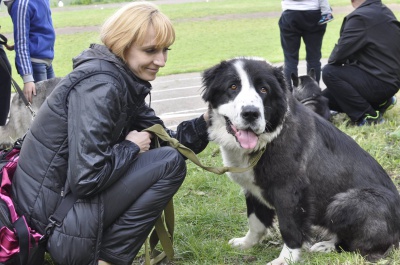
[17,240]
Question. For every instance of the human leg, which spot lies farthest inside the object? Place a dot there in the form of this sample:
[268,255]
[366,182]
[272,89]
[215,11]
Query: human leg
[42,71]
[312,37]
[50,72]
[132,205]
[290,42]
[5,87]
[355,91]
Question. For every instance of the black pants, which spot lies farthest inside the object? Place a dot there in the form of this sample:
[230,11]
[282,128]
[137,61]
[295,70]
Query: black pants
[132,205]
[354,91]
[5,86]
[296,25]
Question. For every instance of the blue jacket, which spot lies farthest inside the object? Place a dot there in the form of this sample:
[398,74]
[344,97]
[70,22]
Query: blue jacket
[34,34]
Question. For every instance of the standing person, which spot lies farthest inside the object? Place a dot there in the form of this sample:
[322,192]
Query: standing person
[5,83]
[34,39]
[363,71]
[299,20]
[326,12]
[89,136]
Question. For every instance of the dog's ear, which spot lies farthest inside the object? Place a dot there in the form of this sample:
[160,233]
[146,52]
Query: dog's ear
[295,79]
[210,76]
[311,73]
[278,72]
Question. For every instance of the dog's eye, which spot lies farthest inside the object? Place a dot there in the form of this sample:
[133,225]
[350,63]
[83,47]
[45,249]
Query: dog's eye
[263,90]
[233,87]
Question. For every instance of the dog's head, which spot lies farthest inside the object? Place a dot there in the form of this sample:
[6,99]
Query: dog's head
[305,87]
[247,102]
[307,91]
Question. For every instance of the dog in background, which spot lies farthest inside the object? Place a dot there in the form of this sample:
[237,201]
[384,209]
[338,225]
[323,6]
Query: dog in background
[308,92]
[20,117]
[311,174]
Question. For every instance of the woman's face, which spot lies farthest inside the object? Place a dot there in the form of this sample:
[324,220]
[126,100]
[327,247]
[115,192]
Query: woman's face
[145,61]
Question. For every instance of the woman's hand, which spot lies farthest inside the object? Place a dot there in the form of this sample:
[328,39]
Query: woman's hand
[141,139]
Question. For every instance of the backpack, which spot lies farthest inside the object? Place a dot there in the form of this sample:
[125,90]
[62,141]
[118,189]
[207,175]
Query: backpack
[19,244]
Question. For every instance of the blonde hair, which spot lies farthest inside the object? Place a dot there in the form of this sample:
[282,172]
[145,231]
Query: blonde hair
[130,25]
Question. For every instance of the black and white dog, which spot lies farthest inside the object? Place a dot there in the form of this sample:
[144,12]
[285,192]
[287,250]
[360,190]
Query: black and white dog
[309,93]
[311,174]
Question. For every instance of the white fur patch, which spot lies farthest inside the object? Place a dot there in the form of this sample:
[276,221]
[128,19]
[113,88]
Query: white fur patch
[256,233]
[287,256]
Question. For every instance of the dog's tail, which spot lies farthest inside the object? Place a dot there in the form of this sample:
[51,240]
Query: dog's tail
[365,220]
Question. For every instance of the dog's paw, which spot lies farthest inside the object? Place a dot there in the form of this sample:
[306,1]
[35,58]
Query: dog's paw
[278,261]
[324,246]
[241,243]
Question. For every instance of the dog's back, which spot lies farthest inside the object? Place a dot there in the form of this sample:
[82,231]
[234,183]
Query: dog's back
[20,116]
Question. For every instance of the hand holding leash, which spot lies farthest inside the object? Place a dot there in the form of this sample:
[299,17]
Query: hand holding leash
[159,131]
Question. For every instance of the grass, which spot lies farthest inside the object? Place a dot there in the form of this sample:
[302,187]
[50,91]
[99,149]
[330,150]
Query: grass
[210,209]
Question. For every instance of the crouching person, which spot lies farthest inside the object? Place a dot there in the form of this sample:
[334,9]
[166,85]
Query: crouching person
[87,140]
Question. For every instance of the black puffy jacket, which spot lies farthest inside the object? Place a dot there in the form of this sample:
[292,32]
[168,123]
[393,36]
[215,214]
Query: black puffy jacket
[76,144]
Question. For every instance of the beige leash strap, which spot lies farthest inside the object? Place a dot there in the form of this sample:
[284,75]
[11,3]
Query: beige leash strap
[163,231]
[159,131]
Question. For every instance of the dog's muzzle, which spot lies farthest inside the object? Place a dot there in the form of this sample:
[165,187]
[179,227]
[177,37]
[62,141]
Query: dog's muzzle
[246,138]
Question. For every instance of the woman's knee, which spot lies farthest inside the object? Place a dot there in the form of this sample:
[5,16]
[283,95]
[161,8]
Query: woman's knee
[175,162]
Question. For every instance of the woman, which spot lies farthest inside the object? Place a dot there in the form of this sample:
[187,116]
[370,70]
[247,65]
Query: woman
[87,140]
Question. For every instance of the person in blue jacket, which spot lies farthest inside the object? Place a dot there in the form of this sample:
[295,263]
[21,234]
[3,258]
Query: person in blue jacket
[34,38]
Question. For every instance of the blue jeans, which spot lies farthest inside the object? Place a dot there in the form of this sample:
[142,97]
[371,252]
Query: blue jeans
[42,72]
[295,25]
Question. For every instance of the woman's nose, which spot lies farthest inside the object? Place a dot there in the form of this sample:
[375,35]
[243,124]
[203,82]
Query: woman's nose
[160,59]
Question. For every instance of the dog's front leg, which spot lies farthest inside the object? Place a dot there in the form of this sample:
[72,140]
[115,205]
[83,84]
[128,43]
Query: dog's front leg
[260,219]
[287,256]
[293,225]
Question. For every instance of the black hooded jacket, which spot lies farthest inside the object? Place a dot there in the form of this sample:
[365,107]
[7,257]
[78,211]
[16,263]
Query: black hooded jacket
[369,39]
[77,144]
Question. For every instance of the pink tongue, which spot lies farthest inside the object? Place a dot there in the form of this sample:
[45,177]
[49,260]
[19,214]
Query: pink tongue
[247,139]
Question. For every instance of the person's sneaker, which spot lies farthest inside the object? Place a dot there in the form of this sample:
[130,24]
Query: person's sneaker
[325,19]
[387,105]
[369,119]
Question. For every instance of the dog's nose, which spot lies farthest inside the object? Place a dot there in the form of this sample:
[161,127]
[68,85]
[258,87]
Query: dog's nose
[250,113]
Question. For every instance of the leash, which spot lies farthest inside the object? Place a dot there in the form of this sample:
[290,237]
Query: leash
[14,84]
[164,227]
[159,131]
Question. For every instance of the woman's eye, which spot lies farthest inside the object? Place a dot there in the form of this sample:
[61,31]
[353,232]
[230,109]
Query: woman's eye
[166,49]
[263,90]
[233,87]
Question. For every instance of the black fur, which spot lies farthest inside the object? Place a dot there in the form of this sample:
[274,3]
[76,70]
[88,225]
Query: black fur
[311,173]
[308,92]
